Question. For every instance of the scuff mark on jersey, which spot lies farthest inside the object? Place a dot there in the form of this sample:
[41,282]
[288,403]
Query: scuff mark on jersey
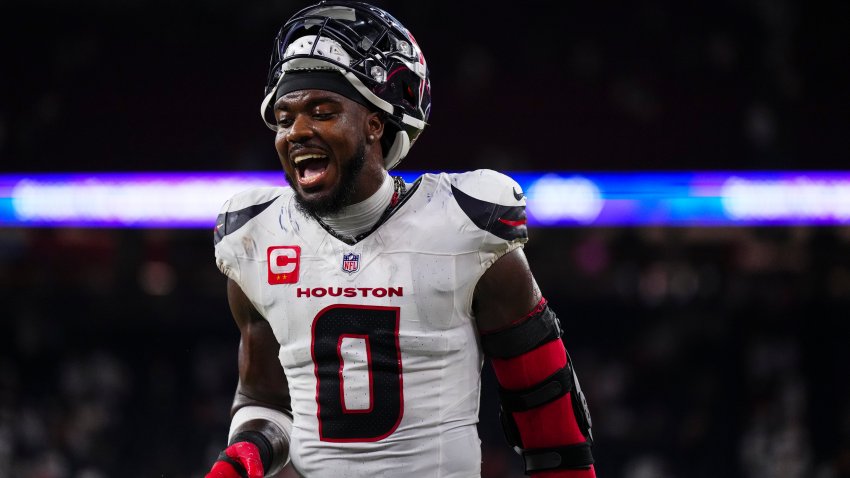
[281,219]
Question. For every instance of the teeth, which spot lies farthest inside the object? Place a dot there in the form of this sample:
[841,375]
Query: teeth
[305,157]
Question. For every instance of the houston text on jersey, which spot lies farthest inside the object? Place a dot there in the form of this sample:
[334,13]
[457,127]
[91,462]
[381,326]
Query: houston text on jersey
[350,292]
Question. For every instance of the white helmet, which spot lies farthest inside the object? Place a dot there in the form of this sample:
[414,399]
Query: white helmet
[368,47]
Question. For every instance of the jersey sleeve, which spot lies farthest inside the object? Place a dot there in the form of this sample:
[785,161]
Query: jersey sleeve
[233,223]
[495,204]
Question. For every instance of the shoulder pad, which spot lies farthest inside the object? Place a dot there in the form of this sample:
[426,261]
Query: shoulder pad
[491,186]
[493,201]
[243,207]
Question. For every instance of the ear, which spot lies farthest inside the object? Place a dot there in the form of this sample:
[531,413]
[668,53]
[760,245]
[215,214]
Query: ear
[374,127]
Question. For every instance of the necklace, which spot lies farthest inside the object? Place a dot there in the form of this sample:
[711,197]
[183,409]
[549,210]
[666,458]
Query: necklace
[399,188]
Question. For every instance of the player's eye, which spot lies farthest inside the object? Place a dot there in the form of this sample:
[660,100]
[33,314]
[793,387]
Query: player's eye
[323,115]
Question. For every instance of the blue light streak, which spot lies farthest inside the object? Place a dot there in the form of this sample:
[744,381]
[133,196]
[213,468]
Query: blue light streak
[555,199]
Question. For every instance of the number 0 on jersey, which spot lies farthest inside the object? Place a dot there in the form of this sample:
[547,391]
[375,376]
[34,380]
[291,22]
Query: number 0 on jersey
[358,372]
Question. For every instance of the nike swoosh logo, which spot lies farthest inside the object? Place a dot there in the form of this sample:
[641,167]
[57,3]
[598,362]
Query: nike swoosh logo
[517,195]
[521,222]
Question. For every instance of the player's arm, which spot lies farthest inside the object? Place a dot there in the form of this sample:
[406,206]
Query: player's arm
[258,443]
[543,410]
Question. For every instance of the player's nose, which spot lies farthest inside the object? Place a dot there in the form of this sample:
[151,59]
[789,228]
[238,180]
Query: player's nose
[300,130]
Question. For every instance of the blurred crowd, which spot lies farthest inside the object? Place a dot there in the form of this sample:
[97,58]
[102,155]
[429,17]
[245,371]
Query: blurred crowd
[703,352]
[651,84]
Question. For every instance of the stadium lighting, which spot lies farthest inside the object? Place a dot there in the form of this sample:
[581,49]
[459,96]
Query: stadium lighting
[555,199]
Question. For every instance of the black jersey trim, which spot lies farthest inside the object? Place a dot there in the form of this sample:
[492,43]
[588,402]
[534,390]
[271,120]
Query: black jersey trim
[507,222]
[231,221]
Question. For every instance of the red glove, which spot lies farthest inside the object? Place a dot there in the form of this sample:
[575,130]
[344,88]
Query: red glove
[239,460]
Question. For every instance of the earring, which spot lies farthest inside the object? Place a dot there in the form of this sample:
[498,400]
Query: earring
[371,138]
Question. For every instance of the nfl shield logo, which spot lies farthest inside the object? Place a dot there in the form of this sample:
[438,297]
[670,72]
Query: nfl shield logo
[350,262]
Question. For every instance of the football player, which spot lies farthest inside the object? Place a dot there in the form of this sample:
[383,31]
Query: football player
[366,304]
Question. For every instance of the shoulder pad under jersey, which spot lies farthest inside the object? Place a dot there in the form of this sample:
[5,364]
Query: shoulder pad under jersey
[243,207]
[493,201]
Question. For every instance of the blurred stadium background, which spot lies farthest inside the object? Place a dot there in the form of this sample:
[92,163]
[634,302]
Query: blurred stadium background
[704,351]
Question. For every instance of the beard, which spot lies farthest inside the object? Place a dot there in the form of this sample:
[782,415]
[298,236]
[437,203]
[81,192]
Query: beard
[341,194]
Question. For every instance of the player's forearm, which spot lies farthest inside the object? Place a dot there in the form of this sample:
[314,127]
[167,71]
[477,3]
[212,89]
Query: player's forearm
[543,409]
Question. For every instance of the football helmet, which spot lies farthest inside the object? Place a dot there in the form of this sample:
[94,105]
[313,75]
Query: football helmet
[373,51]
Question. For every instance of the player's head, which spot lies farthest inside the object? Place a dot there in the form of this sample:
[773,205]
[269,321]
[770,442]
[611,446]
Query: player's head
[361,52]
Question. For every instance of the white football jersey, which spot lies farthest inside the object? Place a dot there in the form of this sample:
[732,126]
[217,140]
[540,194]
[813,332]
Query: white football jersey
[377,339]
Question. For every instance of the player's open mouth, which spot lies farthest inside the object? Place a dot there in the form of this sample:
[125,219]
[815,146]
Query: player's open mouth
[311,168]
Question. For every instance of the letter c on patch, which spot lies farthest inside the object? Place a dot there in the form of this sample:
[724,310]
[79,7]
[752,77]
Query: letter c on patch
[284,264]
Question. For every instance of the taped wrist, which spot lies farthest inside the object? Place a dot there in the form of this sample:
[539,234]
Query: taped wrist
[271,426]
[544,414]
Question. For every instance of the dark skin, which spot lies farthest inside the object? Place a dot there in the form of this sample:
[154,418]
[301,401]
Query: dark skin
[328,124]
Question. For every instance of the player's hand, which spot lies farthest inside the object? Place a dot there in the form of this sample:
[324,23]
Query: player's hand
[239,460]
